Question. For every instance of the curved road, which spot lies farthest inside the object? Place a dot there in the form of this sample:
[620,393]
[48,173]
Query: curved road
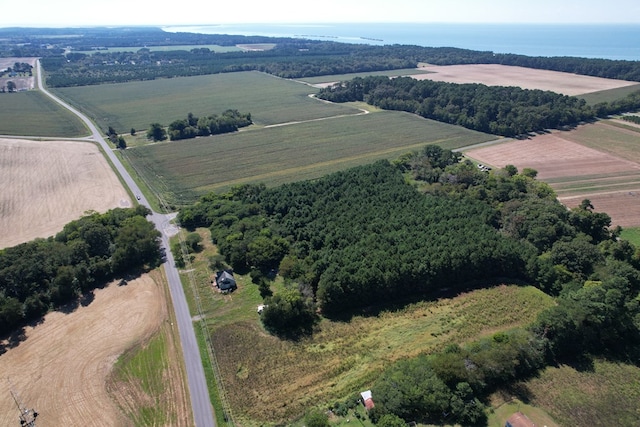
[200,403]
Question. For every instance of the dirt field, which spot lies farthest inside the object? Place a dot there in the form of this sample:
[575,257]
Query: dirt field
[22,83]
[61,368]
[526,78]
[575,172]
[46,184]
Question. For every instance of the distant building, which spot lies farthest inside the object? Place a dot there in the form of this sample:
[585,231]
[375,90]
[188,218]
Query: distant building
[367,400]
[519,420]
[225,281]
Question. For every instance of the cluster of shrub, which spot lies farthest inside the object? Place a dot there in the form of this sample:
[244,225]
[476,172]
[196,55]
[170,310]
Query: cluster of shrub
[46,274]
[117,140]
[192,126]
[365,237]
[632,119]
[500,110]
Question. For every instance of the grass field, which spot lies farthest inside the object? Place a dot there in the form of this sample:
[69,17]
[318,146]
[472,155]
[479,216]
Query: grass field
[632,235]
[270,380]
[33,114]
[344,77]
[211,47]
[180,171]
[609,95]
[270,100]
[604,394]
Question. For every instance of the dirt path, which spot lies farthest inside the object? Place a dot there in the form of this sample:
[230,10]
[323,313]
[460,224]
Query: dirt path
[61,368]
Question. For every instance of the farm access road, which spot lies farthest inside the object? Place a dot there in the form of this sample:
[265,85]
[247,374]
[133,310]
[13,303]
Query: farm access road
[200,403]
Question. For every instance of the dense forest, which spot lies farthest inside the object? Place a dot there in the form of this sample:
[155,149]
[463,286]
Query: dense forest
[366,238]
[507,111]
[46,274]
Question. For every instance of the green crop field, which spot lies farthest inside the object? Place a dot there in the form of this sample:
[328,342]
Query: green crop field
[34,114]
[609,95]
[181,171]
[270,100]
[611,137]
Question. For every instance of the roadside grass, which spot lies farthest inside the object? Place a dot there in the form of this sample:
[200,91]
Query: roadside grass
[32,113]
[604,394]
[270,100]
[182,171]
[148,382]
[632,235]
[115,49]
[344,77]
[609,95]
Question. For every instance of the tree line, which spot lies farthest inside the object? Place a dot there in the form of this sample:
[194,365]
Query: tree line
[46,274]
[507,111]
[191,127]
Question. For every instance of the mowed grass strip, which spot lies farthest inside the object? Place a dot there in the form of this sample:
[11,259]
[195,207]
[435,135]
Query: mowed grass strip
[270,100]
[273,380]
[32,113]
[179,170]
[345,77]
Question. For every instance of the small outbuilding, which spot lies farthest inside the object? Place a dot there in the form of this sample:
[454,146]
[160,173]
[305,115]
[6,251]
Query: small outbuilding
[367,400]
[519,420]
[225,281]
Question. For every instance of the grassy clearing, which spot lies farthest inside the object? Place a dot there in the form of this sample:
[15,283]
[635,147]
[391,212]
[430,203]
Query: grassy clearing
[632,235]
[604,394]
[502,410]
[181,171]
[344,77]
[609,95]
[270,100]
[33,114]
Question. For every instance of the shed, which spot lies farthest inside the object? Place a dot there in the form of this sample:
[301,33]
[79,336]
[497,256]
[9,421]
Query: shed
[367,399]
[225,281]
[519,420]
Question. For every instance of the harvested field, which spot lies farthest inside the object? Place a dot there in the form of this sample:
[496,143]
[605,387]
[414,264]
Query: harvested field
[47,184]
[61,368]
[526,78]
[576,171]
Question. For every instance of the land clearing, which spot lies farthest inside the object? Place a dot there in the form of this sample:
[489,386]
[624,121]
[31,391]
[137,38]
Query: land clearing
[526,78]
[61,367]
[47,184]
[599,162]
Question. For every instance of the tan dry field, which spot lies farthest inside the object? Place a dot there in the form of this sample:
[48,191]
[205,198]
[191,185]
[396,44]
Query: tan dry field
[61,368]
[526,78]
[47,184]
[574,171]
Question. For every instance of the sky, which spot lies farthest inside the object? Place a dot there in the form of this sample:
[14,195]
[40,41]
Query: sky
[62,13]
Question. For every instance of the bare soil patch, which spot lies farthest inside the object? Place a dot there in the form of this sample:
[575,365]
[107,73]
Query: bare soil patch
[47,184]
[61,368]
[575,172]
[526,78]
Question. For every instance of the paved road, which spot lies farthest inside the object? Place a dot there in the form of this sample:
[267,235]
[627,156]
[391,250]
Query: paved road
[200,403]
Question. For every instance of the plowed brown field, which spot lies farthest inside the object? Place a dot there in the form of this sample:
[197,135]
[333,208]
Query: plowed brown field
[47,184]
[577,172]
[61,367]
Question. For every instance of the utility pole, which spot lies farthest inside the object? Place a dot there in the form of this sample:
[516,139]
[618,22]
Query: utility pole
[27,416]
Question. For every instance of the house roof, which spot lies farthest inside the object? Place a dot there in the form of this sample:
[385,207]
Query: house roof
[225,280]
[519,420]
[367,399]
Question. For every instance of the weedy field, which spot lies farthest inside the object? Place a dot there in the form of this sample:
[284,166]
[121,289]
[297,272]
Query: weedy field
[609,94]
[270,380]
[32,113]
[180,171]
[270,100]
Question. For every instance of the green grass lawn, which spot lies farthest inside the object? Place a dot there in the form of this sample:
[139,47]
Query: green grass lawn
[270,100]
[632,235]
[32,113]
[182,170]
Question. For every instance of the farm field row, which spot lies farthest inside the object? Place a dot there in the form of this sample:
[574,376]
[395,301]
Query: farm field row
[181,171]
[599,162]
[34,114]
[270,100]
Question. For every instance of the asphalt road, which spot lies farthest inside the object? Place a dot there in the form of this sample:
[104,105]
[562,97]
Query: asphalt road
[200,403]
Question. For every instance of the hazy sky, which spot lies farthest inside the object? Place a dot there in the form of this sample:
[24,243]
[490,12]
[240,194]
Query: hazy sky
[157,12]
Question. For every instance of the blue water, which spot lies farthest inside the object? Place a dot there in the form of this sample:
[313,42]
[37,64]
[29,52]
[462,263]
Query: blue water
[621,41]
